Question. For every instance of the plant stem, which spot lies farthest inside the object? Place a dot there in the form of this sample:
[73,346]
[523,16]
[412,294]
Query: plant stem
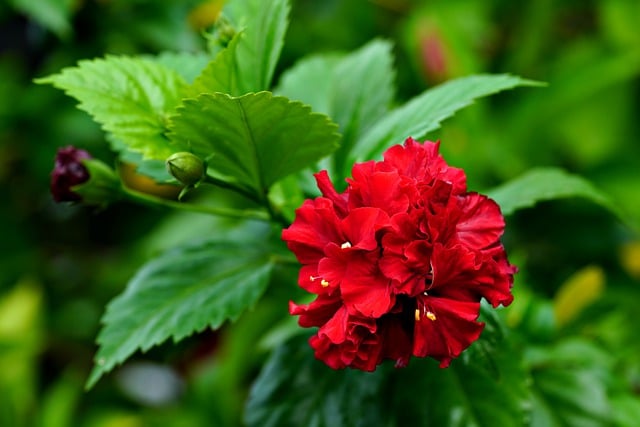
[211,210]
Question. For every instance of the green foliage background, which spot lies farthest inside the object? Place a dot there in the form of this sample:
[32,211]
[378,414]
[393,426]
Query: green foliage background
[573,322]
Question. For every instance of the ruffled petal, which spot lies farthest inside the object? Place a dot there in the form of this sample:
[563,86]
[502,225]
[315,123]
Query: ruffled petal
[462,274]
[444,328]
[328,190]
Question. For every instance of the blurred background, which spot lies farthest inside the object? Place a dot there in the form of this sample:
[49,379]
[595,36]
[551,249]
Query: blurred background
[61,264]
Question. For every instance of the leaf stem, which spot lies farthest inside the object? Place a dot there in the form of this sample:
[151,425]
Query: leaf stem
[240,190]
[263,200]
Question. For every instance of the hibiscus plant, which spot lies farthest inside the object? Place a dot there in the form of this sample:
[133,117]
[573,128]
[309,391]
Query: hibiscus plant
[377,292]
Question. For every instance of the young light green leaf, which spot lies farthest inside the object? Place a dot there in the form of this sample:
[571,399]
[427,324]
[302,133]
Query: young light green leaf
[221,74]
[424,113]
[247,64]
[254,140]
[130,98]
[188,64]
[183,291]
[543,184]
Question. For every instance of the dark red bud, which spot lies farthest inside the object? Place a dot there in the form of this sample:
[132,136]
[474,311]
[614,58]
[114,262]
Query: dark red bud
[67,173]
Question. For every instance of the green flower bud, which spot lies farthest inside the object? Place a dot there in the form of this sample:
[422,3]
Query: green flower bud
[187,168]
[225,31]
[102,187]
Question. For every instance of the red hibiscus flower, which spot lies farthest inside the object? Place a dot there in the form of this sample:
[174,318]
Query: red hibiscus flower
[399,261]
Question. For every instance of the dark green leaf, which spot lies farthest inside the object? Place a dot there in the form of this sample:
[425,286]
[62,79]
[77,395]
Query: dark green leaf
[180,292]
[425,112]
[568,397]
[248,62]
[545,184]
[295,389]
[487,386]
[254,140]
[54,15]
[129,97]
[570,385]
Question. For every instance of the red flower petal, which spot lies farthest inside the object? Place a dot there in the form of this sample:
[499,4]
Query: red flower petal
[364,289]
[462,274]
[481,223]
[361,225]
[348,341]
[384,190]
[328,190]
[444,328]
[315,226]
[318,312]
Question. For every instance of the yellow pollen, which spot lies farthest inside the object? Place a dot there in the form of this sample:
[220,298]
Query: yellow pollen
[417,314]
[324,283]
[431,316]
[312,278]
[345,245]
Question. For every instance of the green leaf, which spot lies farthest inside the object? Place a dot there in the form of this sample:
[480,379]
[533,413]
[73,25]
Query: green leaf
[185,290]
[295,389]
[295,82]
[249,61]
[355,90]
[55,15]
[130,98]
[287,196]
[487,386]
[221,74]
[424,113]
[152,168]
[570,384]
[254,140]
[569,397]
[542,184]
[626,410]
[188,64]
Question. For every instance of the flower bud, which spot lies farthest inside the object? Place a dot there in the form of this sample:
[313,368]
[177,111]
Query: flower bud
[225,31]
[187,168]
[78,177]
[67,173]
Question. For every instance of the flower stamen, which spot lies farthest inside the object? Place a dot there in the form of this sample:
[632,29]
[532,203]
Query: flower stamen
[431,316]
[345,245]
[324,283]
